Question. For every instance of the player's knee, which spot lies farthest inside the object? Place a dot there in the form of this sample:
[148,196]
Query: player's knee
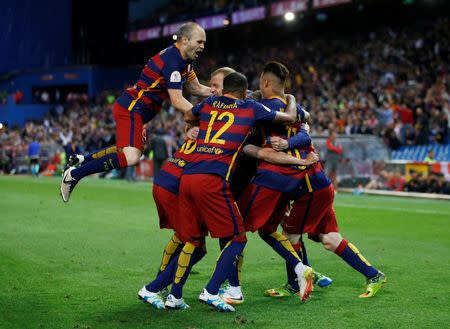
[293,238]
[132,154]
[331,240]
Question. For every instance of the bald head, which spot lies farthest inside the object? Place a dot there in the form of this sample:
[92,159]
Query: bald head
[191,39]
[216,82]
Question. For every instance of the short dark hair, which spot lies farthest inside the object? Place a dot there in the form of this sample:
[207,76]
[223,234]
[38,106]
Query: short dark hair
[278,70]
[235,83]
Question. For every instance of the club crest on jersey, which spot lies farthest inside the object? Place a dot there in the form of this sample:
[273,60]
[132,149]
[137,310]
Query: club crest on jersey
[175,76]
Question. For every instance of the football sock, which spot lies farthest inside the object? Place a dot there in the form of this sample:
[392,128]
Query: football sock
[282,246]
[172,248]
[234,279]
[105,163]
[224,265]
[166,277]
[98,154]
[291,275]
[352,257]
[186,259]
[303,254]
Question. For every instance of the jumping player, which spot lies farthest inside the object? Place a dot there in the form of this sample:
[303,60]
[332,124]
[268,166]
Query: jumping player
[163,77]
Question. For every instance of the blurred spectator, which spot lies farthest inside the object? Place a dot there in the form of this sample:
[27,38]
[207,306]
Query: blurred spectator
[430,157]
[159,148]
[34,149]
[333,155]
[396,182]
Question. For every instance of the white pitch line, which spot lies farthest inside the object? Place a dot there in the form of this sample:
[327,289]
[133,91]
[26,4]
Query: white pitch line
[399,209]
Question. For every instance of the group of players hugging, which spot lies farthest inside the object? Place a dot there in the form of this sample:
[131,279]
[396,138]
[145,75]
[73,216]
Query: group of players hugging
[247,164]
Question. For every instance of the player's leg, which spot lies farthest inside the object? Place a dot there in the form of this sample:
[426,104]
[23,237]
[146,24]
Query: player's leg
[283,247]
[76,160]
[168,214]
[375,279]
[129,126]
[231,291]
[225,264]
[190,231]
[222,219]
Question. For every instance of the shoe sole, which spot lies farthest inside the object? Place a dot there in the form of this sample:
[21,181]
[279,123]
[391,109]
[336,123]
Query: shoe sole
[374,291]
[233,301]
[211,305]
[277,295]
[144,301]
[60,187]
[308,275]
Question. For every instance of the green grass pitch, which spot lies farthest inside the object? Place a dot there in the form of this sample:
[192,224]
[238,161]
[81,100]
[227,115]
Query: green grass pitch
[80,265]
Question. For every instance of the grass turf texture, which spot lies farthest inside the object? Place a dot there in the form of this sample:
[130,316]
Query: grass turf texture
[80,265]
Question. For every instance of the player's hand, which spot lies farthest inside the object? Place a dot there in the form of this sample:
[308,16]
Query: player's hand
[278,143]
[256,95]
[192,133]
[290,98]
[306,127]
[312,157]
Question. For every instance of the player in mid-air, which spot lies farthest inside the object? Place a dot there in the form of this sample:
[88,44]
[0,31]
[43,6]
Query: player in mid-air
[163,77]
[225,122]
[165,193]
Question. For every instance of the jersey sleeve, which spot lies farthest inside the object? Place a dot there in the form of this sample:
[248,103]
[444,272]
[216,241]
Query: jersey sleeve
[263,113]
[300,140]
[172,73]
[191,76]
[197,108]
[300,113]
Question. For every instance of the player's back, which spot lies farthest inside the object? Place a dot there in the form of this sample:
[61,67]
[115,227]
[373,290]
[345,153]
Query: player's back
[224,125]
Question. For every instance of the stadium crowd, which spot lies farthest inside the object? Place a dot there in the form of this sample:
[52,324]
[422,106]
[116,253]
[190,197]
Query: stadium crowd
[393,83]
[390,82]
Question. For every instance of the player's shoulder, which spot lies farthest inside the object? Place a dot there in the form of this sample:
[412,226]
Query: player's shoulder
[171,53]
[272,103]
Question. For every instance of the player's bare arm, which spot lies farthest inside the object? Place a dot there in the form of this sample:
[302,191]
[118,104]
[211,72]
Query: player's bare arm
[178,101]
[278,158]
[197,89]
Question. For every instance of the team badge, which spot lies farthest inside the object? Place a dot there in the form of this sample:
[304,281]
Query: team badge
[175,76]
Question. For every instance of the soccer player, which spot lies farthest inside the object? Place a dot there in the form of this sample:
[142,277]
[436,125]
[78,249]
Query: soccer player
[225,122]
[264,202]
[312,211]
[165,193]
[163,77]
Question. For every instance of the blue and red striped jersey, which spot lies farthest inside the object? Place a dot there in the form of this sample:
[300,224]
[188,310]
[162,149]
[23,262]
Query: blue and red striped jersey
[224,125]
[165,70]
[289,179]
[170,173]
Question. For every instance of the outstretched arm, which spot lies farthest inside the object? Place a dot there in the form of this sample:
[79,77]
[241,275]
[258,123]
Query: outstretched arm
[279,158]
[197,89]
[178,101]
